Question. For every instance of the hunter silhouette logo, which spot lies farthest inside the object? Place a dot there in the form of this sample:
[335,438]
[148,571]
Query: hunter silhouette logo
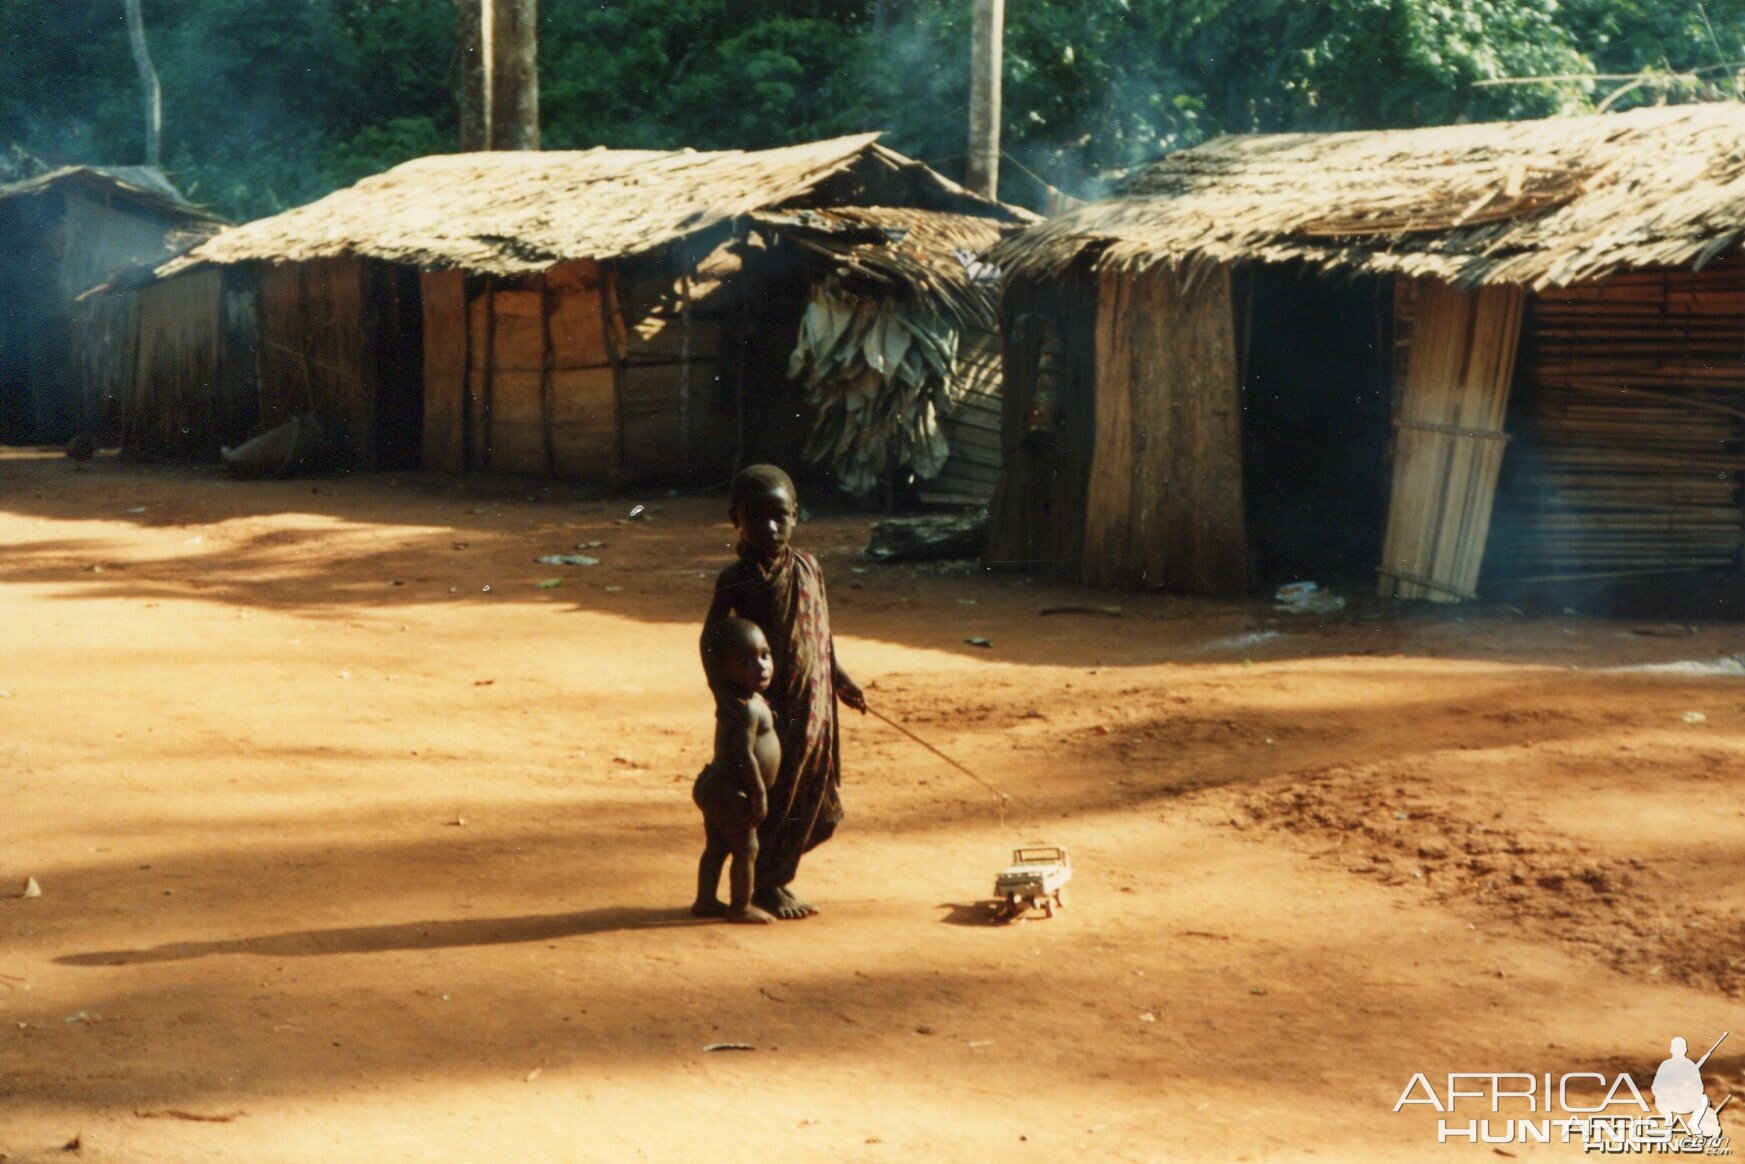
[1678,1091]
[1524,1108]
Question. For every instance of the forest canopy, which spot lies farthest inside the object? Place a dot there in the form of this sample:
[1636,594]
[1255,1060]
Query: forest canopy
[271,103]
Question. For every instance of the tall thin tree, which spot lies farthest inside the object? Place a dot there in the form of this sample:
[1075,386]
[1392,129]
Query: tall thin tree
[473,73]
[987,36]
[148,78]
[514,74]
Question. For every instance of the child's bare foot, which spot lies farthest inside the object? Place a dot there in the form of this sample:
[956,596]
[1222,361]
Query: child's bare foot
[785,905]
[709,907]
[749,916]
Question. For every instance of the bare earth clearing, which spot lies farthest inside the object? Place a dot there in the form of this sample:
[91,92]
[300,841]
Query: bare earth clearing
[242,722]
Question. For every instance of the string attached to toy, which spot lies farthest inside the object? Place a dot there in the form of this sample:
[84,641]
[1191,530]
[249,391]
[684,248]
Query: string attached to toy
[1000,796]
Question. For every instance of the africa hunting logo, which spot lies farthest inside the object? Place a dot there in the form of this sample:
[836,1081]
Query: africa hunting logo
[1683,1118]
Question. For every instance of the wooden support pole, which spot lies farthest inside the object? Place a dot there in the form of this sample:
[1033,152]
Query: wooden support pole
[547,401]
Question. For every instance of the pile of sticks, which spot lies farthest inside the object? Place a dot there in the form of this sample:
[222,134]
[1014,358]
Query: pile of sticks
[1449,440]
[1630,429]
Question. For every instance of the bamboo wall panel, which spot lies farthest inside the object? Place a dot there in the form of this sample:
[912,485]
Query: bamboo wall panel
[100,239]
[1630,429]
[102,352]
[1163,507]
[445,370]
[174,407]
[972,428]
[1449,439]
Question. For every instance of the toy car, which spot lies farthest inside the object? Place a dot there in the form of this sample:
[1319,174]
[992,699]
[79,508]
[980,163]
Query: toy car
[1036,879]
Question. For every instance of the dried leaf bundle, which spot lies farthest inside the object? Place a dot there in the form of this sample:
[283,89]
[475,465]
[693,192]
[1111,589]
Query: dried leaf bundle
[879,374]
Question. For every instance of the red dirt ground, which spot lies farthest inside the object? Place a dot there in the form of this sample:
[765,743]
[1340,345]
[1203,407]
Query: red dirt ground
[240,724]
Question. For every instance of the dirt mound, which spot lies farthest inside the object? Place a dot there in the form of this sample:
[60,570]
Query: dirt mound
[1404,829]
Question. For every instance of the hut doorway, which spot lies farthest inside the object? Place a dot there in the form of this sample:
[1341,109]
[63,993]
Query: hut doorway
[400,400]
[341,338]
[1316,356]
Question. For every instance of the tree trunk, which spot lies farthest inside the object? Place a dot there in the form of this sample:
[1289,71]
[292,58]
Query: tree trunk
[982,174]
[473,71]
[514,77]
[148,78]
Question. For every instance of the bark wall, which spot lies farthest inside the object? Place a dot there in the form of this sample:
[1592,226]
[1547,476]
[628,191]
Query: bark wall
[337,339]
[1163,504]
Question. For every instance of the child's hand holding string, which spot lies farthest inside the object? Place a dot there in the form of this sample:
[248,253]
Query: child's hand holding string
[849,691]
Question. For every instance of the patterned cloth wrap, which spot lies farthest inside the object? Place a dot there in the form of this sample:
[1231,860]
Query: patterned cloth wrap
[787,602]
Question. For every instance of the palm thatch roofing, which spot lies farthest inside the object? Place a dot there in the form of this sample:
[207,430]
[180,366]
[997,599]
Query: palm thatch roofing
[1537,203]
[935,257]
[141,187]
[518,213]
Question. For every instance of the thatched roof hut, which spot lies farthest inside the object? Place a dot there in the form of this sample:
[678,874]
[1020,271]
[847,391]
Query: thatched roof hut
[1533,203]
[618,315]
[522,213]
[65,229]
[1555,301]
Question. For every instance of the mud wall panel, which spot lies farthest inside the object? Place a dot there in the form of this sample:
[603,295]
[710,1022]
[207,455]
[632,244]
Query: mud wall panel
[578,323]
[517,423]
[584,429]
[519,341]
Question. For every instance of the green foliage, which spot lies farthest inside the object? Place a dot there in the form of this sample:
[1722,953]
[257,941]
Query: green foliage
[671,73]
[375,148]
[269,103]
[1692,51]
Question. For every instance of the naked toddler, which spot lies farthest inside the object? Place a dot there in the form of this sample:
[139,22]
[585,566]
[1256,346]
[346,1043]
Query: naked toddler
[733,791]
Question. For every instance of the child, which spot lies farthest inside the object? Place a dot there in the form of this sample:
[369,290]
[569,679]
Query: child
[781,589]
[733,791]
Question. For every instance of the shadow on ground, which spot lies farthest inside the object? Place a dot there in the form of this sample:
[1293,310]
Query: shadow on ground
[393,541]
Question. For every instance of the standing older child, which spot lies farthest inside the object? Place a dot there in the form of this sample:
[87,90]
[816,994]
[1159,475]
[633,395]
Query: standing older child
[781,589]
